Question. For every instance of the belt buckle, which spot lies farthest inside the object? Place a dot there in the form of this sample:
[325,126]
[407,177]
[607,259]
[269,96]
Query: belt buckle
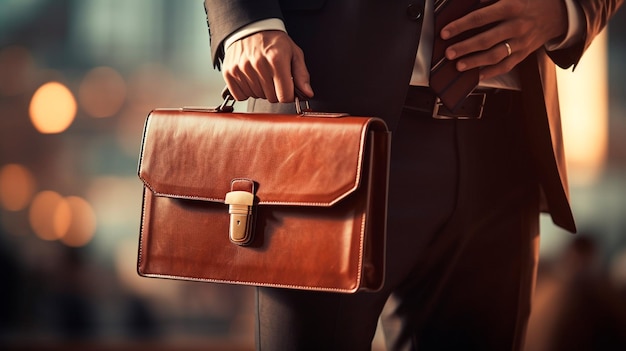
[438,106]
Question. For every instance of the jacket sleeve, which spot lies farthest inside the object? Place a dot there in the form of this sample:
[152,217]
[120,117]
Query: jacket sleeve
[227,16]
[596,16]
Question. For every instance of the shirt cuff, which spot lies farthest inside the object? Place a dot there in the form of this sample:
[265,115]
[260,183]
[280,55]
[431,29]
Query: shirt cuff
[254,27]
[575,22]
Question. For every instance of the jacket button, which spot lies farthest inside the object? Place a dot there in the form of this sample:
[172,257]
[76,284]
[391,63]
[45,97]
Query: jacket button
[413,12]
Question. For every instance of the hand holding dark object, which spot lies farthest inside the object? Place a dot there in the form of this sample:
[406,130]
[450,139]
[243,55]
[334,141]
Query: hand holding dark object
[521,27]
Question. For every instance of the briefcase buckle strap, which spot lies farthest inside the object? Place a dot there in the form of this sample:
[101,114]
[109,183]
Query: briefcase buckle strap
[298,100]
[240,209]
[471,108]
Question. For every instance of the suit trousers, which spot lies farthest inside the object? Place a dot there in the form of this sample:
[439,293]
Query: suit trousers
[463,232]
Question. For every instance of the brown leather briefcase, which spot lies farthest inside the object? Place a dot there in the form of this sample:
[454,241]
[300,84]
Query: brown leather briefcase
[291,201]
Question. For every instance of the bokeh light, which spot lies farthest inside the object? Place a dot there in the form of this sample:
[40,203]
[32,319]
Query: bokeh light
[82,225]
[71,220]
[102,92]
[17,186]
[52,108]
[50,215]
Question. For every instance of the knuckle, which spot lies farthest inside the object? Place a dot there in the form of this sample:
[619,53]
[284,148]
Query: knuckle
[228,69]
[254,64]
[272,53]
[273,57]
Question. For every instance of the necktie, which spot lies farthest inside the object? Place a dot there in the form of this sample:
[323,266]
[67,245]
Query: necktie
[451,86]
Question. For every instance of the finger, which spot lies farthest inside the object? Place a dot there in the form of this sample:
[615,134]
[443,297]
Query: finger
[482,41]
[251,81]
[485,58]
[248,69]
[502,67]
[241,83]
[234,90]
[247,73]
[238,88]
[282,79]
[269,91]
[284,89]
[284,86]
[234,76]
[475,19]
[508,48]
[263,80]
[232,83]
[301,77]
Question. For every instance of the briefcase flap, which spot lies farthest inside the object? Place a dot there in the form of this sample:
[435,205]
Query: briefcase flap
[294,160]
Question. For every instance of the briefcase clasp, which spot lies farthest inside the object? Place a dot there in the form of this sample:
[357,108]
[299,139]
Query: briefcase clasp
[240,211]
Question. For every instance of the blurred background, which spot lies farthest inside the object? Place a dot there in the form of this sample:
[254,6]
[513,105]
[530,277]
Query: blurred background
[78,78]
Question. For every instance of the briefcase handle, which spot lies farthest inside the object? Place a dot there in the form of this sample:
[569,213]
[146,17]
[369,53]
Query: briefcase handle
[299,98]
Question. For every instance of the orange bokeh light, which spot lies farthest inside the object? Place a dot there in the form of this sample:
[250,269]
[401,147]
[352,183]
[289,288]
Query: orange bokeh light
[17,186]
[71,220]
[49,215]
[52,108]
[82,225]
[102,92]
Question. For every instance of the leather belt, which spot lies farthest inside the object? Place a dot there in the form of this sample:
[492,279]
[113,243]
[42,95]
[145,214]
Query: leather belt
[424,100]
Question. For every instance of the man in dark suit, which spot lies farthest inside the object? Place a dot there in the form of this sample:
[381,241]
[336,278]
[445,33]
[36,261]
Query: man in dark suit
[465,193]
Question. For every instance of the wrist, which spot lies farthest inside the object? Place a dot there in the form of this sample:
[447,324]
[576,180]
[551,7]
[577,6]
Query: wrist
[573,31]
[254,27]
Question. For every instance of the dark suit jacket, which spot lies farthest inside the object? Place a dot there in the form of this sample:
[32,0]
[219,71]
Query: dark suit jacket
[360,56]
